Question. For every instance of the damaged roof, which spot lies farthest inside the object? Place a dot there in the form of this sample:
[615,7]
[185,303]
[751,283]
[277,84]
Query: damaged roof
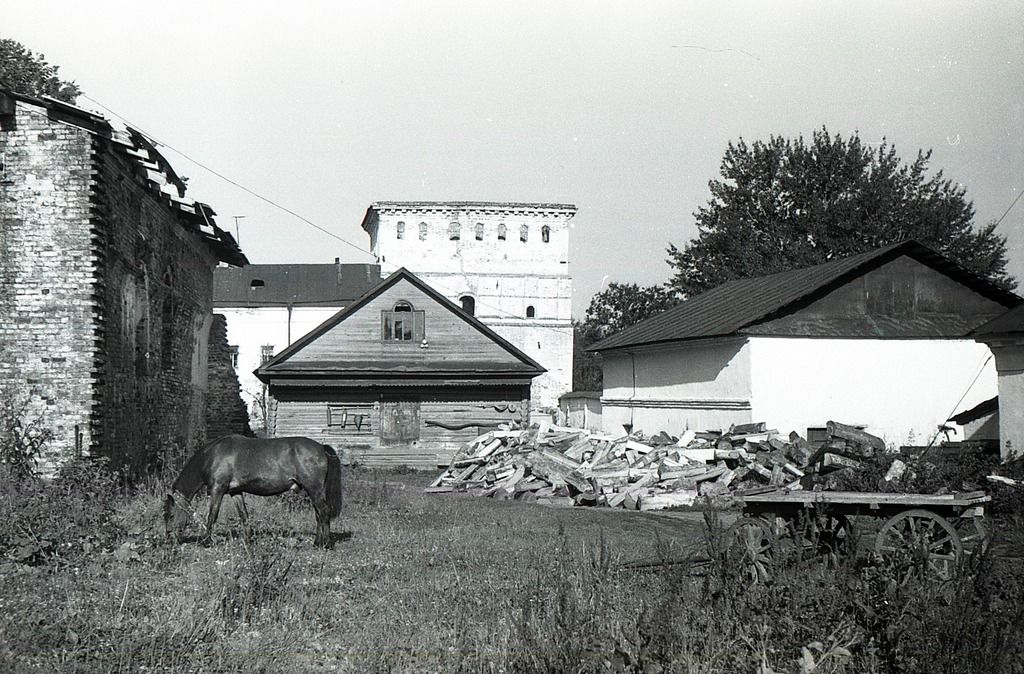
[261,285]
[150,166]
[735,305]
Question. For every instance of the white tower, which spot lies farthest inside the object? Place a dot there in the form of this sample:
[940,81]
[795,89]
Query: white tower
[507,263]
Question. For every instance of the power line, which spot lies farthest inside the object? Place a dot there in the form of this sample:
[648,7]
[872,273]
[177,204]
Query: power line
[1007,212]
[223,177]
[501,313]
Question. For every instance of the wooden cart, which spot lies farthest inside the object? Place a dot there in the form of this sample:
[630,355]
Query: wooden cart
[932,531]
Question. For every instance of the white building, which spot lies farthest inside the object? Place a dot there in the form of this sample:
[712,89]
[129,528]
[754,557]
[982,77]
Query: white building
[269,306]
[505,263]
[881,339]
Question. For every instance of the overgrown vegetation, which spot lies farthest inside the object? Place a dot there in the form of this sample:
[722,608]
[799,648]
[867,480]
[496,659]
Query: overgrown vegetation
[429,583]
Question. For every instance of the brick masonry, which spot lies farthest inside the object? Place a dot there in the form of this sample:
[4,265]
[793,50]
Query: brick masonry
[225,411]
[105,297]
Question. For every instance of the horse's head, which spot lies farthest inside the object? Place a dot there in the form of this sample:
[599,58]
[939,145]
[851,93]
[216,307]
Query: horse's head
[176,514]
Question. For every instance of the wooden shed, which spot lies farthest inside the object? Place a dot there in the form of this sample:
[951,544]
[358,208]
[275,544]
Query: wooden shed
[402,376]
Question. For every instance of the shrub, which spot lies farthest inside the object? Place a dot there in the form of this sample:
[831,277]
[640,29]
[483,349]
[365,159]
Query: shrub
[61,521]
[22,439]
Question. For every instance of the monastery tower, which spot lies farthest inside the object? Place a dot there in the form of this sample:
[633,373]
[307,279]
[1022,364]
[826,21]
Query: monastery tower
[506,263]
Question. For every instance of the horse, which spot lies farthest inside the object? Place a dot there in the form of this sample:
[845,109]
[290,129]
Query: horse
[235,464]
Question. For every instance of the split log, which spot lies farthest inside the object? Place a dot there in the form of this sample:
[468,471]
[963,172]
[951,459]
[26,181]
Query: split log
[668,500]
[838,430]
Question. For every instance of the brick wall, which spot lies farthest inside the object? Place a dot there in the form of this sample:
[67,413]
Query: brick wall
[225,410]
[48,342]
[154,316]
[105,297]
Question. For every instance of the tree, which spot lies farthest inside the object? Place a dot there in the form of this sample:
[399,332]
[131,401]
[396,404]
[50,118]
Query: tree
[28,73]
[786,204]
[615,308]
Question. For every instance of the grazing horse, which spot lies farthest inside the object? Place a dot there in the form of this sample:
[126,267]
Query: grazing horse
[235,465]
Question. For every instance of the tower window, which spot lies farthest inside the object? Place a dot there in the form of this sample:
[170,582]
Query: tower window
[501,232]
[454,230]
[423,231]
[400,230]
[545,234]
[233,350]
[266,353]
[468,304]
[479,231]
[531,312]
[524,233]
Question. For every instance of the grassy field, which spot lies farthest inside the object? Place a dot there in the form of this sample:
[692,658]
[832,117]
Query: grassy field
[453,583]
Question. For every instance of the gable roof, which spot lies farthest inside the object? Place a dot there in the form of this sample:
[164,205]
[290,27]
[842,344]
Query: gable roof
[523,368]
[735,305]
[292,284]
[1010,322]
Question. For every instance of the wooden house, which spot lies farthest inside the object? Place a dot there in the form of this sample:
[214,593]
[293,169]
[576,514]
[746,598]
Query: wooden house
[402,376]
[881,339]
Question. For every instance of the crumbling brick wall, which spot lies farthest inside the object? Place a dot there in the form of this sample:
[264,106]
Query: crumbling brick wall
[225,410]
[106,299]
[48,288]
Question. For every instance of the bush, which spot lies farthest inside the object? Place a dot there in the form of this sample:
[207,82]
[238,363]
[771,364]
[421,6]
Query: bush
[21,440]
[61,521]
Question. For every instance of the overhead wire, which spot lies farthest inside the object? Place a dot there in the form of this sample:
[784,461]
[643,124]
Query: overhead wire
[500,312]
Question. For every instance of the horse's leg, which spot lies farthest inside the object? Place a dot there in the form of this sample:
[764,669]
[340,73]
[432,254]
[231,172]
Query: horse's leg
[243,515]
[216,494]
[323,521]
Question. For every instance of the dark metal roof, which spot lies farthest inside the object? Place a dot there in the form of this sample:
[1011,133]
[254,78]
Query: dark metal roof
[735,305]
[1010,322]
[982,409]
[261,285]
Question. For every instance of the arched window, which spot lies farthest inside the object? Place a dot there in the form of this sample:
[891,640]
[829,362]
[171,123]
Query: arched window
[468,304]
[256,283]
[531,312]
[524,233]
[454,231]
[501,232]
[479,231]
[402,324]
[545,234]
[400,230]
[423,231]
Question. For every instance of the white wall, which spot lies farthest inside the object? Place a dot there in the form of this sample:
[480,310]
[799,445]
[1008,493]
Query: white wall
[252,328]
[503,277]
[699,386]
[902,390]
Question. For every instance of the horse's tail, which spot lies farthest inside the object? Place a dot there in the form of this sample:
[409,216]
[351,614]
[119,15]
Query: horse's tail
[333,482]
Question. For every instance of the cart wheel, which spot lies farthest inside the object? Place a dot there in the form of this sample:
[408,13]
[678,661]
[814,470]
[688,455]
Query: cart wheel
[751,543]
[823,535]
[974,535]
[923,540]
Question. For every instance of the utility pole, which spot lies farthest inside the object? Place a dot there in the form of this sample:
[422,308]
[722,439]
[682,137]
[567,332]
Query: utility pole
[238,239]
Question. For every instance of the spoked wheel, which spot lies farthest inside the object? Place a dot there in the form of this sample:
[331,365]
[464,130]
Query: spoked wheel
[823,535]
[974,535]
[921,541]
[751,542]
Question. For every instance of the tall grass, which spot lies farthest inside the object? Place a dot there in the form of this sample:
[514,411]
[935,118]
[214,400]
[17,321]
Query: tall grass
[426,583]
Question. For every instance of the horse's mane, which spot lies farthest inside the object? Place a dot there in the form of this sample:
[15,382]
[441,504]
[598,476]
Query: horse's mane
[191,477]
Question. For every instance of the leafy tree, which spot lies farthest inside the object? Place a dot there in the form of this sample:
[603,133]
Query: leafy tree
[615,308]
[785,204]
[28,73]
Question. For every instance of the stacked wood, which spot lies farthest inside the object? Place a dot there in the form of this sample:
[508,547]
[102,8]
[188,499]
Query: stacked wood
[567,466]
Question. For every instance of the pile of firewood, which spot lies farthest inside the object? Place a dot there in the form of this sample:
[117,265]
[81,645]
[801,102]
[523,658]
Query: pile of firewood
[557,465]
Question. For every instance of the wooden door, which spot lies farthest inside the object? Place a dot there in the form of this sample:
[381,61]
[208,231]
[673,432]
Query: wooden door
[399,421]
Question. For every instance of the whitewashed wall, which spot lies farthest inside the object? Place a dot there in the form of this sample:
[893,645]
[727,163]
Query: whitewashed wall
[252,328]
[901,389]
[699,386]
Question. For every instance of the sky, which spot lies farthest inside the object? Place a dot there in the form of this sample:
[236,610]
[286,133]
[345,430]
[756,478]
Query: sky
[623,109]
